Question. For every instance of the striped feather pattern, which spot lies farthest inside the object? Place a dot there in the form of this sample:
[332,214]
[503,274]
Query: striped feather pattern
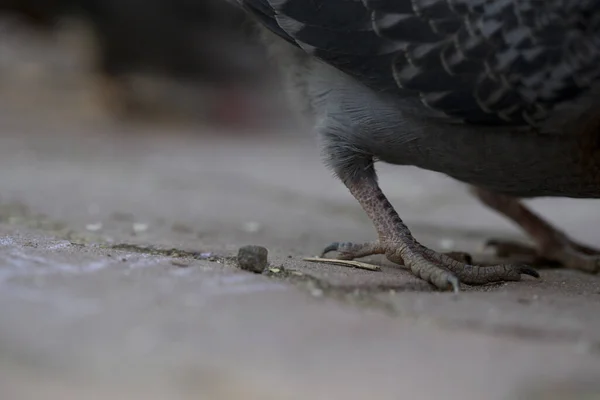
[482,61]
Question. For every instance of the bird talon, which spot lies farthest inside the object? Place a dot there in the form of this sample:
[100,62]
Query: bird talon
[455,283]
[529,271]
[328,249]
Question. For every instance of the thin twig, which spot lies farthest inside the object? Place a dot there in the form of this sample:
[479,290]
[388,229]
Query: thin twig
[344,263]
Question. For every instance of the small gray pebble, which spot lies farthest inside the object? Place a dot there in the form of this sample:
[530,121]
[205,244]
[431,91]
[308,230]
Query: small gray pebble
[252,258]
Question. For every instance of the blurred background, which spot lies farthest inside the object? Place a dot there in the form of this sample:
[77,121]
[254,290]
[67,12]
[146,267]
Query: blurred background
[177,61]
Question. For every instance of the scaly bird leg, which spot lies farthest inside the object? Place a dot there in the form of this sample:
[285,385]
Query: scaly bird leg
[399,246]
[550,243]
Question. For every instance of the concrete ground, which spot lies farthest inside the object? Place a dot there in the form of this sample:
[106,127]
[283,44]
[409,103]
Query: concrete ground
[117,279]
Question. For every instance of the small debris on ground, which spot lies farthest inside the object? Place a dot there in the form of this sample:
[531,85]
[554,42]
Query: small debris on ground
[205,255]
[252,258]
[181,263]
[94,227]
[139,228]
[344,263]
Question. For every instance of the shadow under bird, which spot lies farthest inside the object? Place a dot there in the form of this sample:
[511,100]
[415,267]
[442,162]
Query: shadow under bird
[499,94]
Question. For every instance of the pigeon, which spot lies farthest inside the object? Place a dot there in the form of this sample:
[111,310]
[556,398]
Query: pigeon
[497,94]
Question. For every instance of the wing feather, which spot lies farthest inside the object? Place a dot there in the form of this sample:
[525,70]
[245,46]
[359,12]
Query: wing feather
[482,61]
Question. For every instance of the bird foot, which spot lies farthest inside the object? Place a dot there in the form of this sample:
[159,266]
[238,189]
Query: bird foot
[563,252]
[444,271]
[373,247]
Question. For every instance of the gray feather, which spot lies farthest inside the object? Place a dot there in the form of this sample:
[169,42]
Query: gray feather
[483,61]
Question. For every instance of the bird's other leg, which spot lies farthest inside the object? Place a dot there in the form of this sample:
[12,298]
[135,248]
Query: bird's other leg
[357,172]
[550,243]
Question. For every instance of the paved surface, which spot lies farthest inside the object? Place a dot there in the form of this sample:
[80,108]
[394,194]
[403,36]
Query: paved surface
[117,282]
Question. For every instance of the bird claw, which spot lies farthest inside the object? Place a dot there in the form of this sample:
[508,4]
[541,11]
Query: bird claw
[444,271]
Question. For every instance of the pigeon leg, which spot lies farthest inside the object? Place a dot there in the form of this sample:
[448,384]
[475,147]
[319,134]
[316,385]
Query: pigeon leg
[349,251]
[550,243]
[399,246]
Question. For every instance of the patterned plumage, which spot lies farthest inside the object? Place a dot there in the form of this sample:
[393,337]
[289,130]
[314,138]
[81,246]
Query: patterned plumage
[499,94]
[481,61]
